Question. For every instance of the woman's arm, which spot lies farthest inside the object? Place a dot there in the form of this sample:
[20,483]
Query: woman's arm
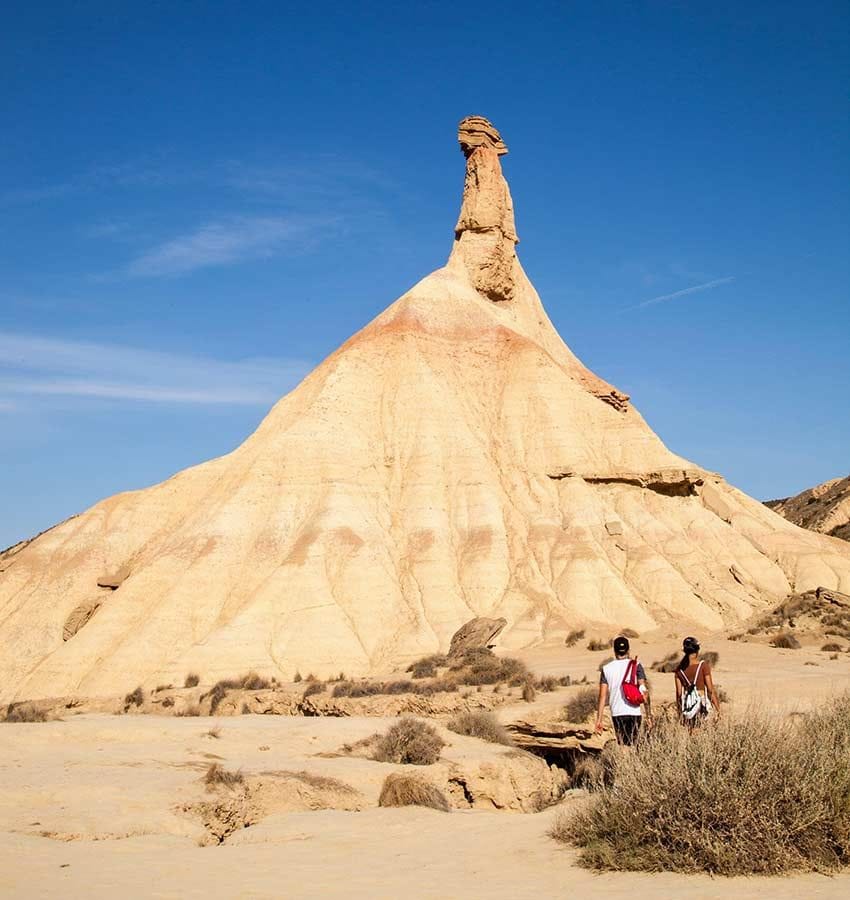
[712,693]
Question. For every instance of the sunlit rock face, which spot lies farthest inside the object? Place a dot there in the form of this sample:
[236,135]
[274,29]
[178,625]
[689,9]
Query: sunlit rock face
[452,460]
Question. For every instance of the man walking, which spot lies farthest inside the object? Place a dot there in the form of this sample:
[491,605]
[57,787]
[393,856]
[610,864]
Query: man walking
[622,684]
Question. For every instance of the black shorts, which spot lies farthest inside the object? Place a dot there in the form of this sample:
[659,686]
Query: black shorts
[627,729]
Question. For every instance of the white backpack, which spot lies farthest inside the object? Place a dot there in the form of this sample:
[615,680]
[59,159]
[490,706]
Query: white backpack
[692,702]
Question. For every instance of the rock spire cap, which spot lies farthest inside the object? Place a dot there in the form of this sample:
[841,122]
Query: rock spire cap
[476,131]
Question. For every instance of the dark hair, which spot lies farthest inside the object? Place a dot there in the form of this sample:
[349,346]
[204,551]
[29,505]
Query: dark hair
[689,645]
[621,645]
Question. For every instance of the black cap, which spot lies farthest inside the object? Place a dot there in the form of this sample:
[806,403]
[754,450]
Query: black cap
[690,645]
[621,645]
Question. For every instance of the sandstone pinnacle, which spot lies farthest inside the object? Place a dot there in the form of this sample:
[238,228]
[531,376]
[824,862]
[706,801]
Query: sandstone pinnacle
[453,460]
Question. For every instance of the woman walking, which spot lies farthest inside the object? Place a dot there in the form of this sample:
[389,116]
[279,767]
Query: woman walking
[695,692]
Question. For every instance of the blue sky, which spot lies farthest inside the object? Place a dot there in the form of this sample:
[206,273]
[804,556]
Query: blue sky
[200,201]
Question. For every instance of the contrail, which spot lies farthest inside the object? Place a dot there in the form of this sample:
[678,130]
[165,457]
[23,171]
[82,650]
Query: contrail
[691,290]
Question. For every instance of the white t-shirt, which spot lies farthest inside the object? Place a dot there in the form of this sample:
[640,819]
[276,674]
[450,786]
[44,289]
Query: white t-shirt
[613,674]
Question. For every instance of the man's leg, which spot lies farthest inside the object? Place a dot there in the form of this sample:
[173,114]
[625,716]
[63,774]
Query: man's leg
[627,729]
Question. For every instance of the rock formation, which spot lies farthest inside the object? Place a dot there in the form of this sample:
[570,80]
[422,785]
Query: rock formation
[824,508]
[451,460]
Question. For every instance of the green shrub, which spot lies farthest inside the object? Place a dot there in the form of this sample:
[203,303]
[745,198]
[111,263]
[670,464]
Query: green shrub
[409,741]
[754,795]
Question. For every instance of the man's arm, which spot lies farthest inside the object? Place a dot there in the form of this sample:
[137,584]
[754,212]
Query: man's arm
[600,706]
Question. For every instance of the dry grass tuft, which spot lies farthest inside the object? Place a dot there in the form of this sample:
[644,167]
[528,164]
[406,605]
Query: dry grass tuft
[483,725]
[410,742]
[749,795]
[831,648]
[411,790]
[24,712]
[574,637]
[528,692]
[314,687]
[785,641]
[579,708]
[596,644]
[192,680]
[213,732]
[217,776]
[298,678]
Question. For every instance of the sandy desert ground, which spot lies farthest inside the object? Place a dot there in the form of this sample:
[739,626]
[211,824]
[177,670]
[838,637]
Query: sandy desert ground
[105,806]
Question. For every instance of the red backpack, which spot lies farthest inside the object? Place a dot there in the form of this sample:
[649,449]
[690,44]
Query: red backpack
[631,691]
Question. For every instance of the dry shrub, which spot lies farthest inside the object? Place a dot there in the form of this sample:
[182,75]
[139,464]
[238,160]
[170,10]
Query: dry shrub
[168,702]
[596,644]
[314,687]
[589,772]
[401,686]
[579,707]
[134,698]
[192,680]
[427,666]
[487,668]
[547,684]
[250,682]
[483,725]
[574,637]
[218,776]
[753,795]
[528,692]
[298,678]
[565,681]
[24,712]
[410,790]
[785,641]
[668,664]
[831,648]
[410,742]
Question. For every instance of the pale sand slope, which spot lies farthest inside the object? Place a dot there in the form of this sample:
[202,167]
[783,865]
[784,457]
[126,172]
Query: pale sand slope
[452,459]
[120,778]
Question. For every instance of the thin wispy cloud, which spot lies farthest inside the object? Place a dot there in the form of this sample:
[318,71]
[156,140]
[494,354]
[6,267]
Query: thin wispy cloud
[226,243]
[34,366]
[665,298]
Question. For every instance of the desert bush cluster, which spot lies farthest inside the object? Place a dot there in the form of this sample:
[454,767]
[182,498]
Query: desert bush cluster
[753,795]
[483,725]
